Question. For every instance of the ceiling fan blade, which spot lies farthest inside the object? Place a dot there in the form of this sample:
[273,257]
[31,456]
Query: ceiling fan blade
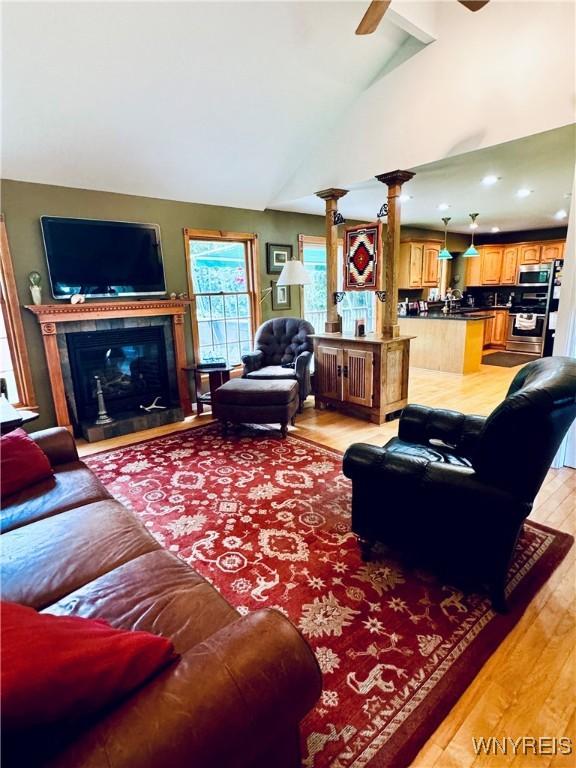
[474,5]
[373,17]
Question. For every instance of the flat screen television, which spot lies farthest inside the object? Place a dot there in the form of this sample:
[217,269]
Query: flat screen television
[102,258]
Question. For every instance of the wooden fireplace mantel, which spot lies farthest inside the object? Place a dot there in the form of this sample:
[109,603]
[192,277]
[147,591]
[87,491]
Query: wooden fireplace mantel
[48,315]
[103,310]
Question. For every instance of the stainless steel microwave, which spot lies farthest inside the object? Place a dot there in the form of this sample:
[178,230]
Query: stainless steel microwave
[534,275]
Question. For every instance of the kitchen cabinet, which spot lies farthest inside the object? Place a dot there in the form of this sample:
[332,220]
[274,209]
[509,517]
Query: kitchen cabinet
[498,264]
[416,259]
[552,251]
[496,329]
[500,328]
[430,266]
[364,377]
[509,272]
[410,265]
[418,265]
[473,269]
[530,253]
[491,265]
[488,326]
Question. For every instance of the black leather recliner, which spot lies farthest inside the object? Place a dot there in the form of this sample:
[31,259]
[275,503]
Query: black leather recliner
[279,342]
[452,491]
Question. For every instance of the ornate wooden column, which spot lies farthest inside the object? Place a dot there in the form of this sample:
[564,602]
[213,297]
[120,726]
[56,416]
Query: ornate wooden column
[389,319]
[55,374]
[331,196]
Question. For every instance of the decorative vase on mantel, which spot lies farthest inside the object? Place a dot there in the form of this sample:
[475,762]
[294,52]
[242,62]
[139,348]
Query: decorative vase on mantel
[35,279]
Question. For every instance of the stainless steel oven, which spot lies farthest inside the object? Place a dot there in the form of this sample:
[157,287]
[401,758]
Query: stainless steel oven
[534,275]
[522,339]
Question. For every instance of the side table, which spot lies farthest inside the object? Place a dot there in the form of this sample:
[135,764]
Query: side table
[11,418]
[216,377]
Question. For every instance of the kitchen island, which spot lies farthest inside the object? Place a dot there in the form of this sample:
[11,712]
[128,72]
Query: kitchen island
[451,343]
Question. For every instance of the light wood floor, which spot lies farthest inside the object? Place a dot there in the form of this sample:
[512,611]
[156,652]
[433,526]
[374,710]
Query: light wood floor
[527,687]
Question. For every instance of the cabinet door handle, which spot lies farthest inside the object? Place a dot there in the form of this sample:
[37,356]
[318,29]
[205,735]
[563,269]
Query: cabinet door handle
[339,371]
[345,371]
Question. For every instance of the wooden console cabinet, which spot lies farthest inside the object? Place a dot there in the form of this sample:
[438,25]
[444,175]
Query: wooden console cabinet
[365,377]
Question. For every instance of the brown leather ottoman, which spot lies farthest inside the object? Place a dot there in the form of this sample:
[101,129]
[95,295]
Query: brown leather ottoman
[256,401]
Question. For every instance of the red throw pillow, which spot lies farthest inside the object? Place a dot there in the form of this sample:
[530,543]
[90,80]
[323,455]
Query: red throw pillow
[22,462]
[57,668]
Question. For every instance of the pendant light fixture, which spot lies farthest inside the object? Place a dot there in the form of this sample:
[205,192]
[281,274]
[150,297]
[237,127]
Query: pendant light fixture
[445,254]
[471,250]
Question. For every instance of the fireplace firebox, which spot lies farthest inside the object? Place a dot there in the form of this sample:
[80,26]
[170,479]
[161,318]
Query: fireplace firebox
[130,364]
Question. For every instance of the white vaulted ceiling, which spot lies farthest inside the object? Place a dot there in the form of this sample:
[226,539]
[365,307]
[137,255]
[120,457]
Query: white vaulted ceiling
[543,164]
[204,102]
[260,104]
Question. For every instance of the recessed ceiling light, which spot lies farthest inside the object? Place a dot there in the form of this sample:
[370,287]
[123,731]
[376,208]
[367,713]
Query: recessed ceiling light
[489,180]
[561,214]
[524,192]
[443,207]
[473,225]
[405,198]
[495,229]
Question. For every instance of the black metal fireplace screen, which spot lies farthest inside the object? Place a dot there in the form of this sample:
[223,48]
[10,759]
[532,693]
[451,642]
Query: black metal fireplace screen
[130,364]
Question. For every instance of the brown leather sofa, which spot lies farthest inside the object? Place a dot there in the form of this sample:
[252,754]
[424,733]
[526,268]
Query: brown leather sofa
[243,683]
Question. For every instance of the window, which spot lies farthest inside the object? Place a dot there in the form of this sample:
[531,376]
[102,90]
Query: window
[14,364]
[6,363]
[222,274]
[355,305]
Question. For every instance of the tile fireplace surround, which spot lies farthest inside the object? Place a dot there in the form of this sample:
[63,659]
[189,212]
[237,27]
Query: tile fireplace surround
[58,319]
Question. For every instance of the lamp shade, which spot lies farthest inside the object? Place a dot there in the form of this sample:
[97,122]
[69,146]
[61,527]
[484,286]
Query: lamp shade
[444,254]
[293,273]
[470,252]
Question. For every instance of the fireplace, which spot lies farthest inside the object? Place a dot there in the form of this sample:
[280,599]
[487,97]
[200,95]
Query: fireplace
[138,351]
[129,363]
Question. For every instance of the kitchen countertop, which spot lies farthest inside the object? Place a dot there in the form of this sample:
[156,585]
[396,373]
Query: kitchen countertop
[461,316]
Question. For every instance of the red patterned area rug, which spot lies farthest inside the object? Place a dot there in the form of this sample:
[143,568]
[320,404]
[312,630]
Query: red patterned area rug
[267,521]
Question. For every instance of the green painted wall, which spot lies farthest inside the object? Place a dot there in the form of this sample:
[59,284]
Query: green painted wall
[23,203]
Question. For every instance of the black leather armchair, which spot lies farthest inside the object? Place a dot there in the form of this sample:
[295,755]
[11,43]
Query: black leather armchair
[452,491]
[283,351]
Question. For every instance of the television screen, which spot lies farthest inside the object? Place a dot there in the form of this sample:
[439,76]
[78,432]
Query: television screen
[102,258]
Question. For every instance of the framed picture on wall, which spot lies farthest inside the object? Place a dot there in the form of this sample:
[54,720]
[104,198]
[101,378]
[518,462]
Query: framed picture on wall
[276,257]
[281,298]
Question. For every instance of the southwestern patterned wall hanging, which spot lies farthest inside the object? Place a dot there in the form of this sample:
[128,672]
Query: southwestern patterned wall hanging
[362,257]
